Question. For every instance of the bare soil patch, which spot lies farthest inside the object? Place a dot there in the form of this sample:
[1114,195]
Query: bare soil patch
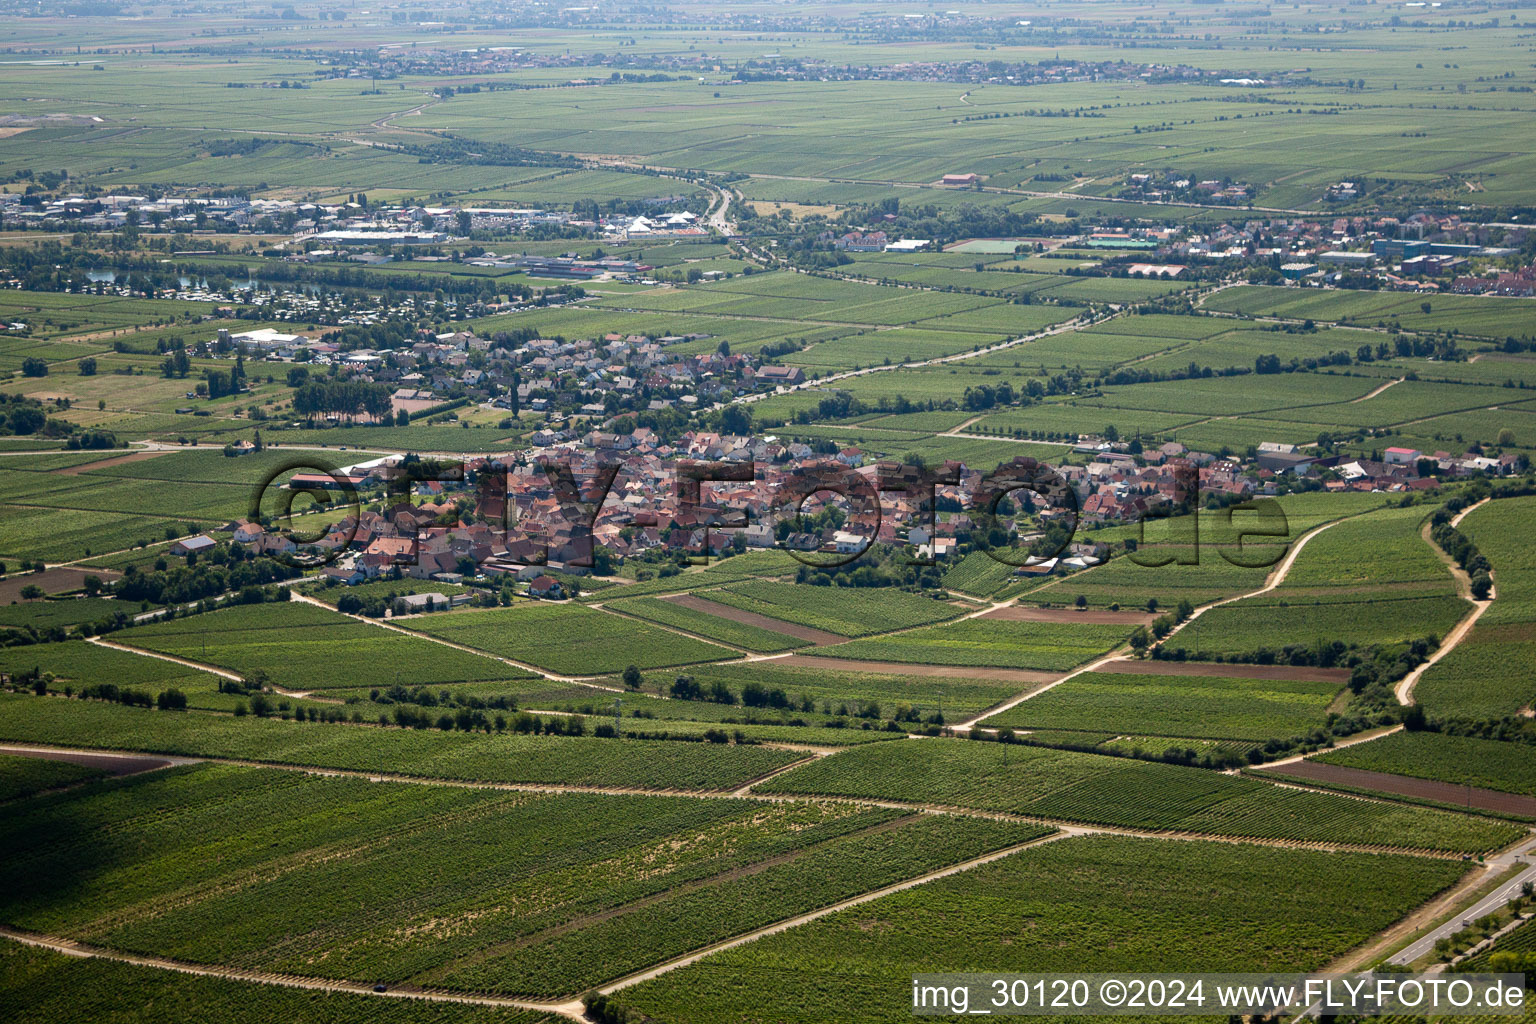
[1230,671]
[104,463]
[112,764]
[53,581]
[746,618]
[1402,785]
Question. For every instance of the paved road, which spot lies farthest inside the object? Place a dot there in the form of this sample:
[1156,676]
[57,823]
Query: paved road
[1525,853]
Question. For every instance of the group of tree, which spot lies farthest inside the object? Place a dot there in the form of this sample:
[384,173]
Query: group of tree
[347,399]
[227,568]
[1460,547]
[409,716]
[23,416]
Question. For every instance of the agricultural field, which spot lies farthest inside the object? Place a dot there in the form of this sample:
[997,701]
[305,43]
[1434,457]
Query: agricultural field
[845,611]
[39,985]
[26,776]
[1380,550]
[1196,706]
[1459,760]
[1238,348]
[1272,623]
[302,647]
[711,627]
[743,788]
[990,643]
[385,590]
[1221,553]
[978,574]
[749,566]
[1477,315]
[1064,785]
[1498,529]
[75,664]
[603,884]
[1364,581]
[849,695]
[1294,394]
[519,759]
[887,347]
[41,615]
[1486,676]
[572,640]
[78,504]
[1061,906]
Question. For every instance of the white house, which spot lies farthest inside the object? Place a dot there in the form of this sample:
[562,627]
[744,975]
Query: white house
[847,543]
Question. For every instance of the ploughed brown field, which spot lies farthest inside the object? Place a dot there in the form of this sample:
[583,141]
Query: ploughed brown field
[1226,669]
[1402,785]
[819,637]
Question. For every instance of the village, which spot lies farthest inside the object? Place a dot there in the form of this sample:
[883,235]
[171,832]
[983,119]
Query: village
[508,521]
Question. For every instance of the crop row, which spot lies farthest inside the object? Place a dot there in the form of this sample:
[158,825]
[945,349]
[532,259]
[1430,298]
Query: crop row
[1460,760]
[763,893]
[1178,706]
[846,611]
[1092,903]
[314,649]
[1491,674]
[548,894]
[714,627]
[1092,788]
[990,643]
[585,761]
[40,985]
[568,638]
[21,776]
[1275,622]
[752,565]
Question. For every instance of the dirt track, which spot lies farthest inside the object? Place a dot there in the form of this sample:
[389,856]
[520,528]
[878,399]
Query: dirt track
[1094,616]
[816,636]
[1231,671]
[1402,785]
[899,668]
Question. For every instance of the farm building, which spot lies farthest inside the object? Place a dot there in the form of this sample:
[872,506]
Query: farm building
[780,375]
[189,545]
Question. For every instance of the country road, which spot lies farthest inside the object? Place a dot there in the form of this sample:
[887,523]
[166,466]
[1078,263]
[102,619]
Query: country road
[1523,854]
[1403,691]
[1274,580]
